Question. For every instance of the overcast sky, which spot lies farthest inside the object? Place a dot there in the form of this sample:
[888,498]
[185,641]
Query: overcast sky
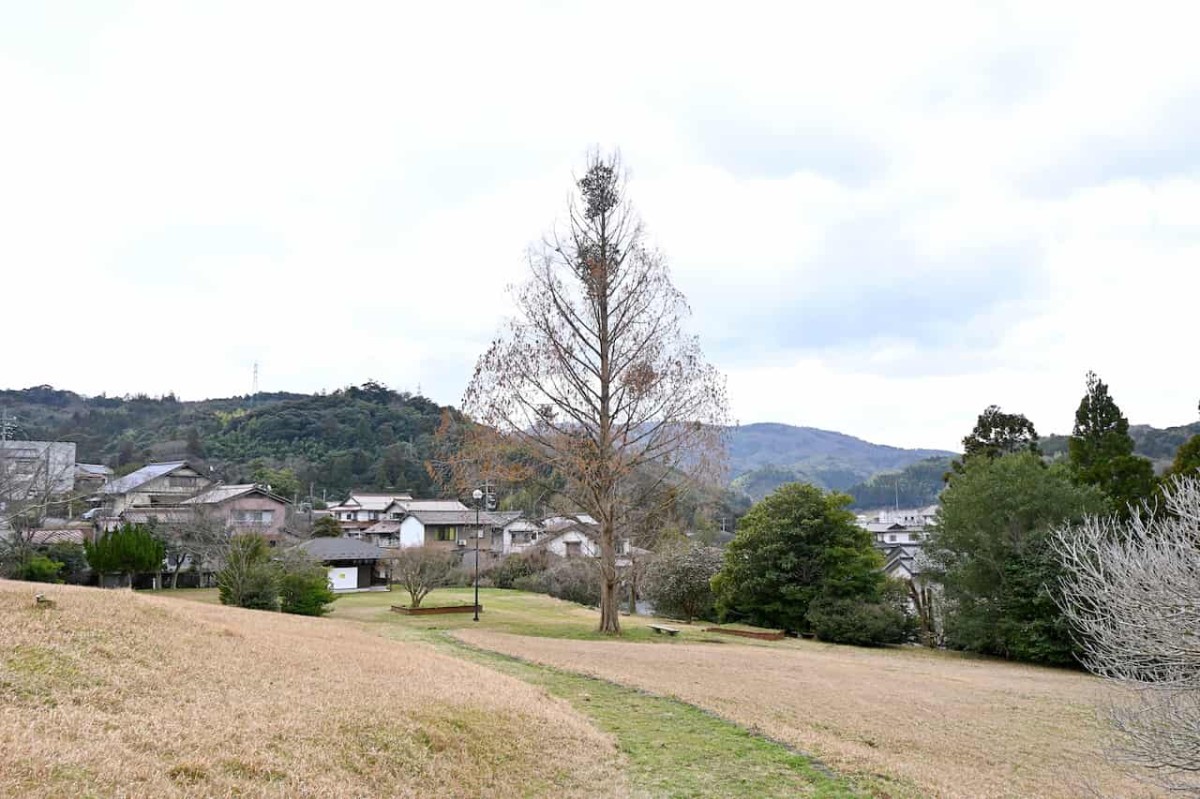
[885,216]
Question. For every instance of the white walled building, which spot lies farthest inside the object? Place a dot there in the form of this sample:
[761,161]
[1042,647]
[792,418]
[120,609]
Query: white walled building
[36,468]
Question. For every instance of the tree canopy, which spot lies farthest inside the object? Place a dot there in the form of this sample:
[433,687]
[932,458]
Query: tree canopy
[991,551]
[792,548]
[131,549]
[998,433]
[1101,450]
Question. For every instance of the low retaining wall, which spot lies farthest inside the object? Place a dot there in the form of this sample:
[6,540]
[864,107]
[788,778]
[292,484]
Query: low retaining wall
[763,636]
[433,611]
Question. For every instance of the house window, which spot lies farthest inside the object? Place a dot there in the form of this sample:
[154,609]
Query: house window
[347,517]
[447,533]
[892,537]
[396,516]
[182,482]
[253,517]
[574,549]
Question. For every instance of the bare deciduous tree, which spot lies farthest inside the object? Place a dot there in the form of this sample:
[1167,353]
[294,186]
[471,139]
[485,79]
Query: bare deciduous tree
[595,378]
[1132,592]
[200,539]
[419,570]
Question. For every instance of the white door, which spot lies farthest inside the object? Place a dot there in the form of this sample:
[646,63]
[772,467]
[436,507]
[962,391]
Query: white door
[343,577]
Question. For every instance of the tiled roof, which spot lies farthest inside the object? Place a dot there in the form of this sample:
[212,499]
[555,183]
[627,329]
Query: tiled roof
[437,517]
[563,522]
[411,505]
[388,527]
[68,535]
[223,493]
[341,549]
[123,485]
[364,501]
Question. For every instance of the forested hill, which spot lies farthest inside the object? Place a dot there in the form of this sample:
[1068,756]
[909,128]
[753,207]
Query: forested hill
[369,436]
[362,436]
[765,456]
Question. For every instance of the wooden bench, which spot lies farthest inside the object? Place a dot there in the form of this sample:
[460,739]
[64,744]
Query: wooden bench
[660,629]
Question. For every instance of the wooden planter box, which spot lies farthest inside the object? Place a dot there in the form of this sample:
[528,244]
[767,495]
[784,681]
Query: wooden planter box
[763,636]
[434,611]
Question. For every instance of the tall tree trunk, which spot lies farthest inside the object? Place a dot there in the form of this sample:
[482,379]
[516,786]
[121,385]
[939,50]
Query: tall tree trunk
[610,617]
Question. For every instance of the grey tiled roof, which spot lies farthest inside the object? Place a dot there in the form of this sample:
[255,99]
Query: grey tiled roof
[223,493]
[438,517]
[341,549]
[123,485]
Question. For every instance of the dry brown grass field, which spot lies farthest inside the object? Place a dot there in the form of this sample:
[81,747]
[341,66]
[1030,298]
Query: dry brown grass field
[949,726]
[117,694]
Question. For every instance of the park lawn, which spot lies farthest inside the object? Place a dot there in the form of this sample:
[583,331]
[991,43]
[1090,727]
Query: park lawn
[927,723]
[669,748]
[120,693]
[516,612]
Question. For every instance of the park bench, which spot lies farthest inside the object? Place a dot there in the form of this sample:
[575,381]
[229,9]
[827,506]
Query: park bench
[660,629]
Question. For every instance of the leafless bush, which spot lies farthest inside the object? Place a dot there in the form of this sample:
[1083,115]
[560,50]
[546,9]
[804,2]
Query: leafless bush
[1132,593]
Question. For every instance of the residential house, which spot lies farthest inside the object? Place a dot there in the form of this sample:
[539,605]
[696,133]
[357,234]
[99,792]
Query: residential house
[35,469]
[579,536]
[386,532]
[164,484]
[245,508]
[454,530]
[89,477]
[901,535]
[353,565]
[518,534]
[362,509]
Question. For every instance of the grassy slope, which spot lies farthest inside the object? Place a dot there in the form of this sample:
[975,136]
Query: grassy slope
[121,694]
[672,749]
[934,725]
[895,722]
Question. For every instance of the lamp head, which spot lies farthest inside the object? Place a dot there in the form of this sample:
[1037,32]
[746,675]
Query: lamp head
[477,495]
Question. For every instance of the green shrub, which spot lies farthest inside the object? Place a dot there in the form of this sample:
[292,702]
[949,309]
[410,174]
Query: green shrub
[40,569]
[462,576]
[248,580]
[678,581]
[572,579]
[75,567]
[522,564]
[852,621]
[304,587]
[326,527]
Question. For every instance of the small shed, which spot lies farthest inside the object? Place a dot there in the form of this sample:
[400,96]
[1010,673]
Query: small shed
[352,564]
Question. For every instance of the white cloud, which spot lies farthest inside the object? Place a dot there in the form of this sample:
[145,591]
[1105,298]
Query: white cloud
[886,217]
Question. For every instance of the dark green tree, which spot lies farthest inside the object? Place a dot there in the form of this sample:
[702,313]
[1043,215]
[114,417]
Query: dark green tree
[304,586]
[997,433]
[1101,450]
[130,550]
[326,527]
[679,580]
[1187,459]
[195,447]
[794,547]
[990,551]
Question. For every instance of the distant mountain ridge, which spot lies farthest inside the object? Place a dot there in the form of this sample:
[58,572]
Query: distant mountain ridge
[765,455]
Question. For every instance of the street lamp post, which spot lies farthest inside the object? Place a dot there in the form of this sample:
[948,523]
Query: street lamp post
[477,495]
